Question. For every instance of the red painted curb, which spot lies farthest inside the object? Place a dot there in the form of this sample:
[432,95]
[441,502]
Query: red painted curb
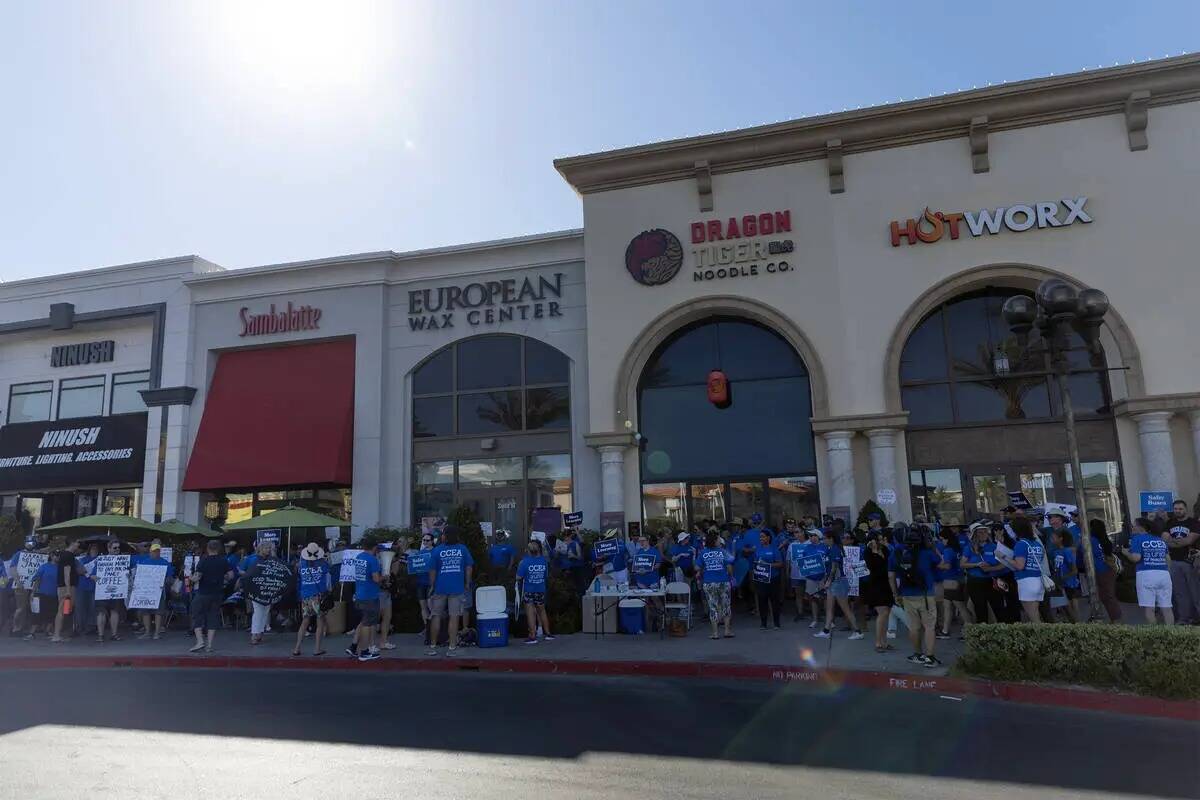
[1085,699]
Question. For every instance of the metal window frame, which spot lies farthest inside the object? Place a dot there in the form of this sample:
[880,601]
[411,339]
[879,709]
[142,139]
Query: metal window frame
[112,393]
[12,392]
[103,386]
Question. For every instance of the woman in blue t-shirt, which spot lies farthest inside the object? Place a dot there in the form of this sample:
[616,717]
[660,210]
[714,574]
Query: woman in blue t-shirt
[715,567]
[313,584]
[1148,551]
[1027,566]
[531,578]
[950,587]
[766,572]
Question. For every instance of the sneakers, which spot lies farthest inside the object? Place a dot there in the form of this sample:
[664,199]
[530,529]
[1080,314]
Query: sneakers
[352,651]
[940,635]
[891,634]
[431,651]
[916,658]
[451,650]
[822,634]
[369,656]
[548,638]
[531,641]
[387,646]
[930,662]
[812,624]
[855,635]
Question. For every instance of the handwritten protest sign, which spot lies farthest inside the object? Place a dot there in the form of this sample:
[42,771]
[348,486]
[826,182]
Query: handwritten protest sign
[112,577]
[28,565]
[189,565]
[166,553]
[269,580]
[855,566]
[349,573]
[148,581]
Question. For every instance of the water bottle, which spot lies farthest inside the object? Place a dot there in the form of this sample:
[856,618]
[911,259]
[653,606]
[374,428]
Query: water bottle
[662,584]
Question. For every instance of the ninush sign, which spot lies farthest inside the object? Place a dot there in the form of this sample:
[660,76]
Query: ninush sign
[933,226]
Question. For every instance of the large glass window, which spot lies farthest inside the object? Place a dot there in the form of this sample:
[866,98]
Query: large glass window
[81,397]
[126,502]
[491,472]
[764,429]
[938,494]
[491,385]
[549,481]
[433,489]
[1102,491]
[546,478]
[663,506]
[29,402]
[794,498]
[963,365]
[126,388]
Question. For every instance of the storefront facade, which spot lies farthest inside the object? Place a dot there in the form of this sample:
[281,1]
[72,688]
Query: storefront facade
[785,320]
[879,246]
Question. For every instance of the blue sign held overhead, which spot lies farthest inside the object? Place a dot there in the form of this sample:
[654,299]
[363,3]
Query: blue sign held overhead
[1156,501]
[269,535]
[573,518]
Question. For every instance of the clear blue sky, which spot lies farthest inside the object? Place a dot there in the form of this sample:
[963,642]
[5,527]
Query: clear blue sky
[254,132]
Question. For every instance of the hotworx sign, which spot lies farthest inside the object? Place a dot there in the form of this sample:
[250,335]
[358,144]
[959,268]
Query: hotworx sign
[933,226]
[733,247]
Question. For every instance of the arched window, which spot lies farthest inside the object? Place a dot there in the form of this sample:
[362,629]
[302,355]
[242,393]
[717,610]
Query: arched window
[962,365]
[753,455]
[491,385]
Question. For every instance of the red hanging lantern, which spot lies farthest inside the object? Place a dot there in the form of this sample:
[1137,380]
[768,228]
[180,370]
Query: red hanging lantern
[718,388]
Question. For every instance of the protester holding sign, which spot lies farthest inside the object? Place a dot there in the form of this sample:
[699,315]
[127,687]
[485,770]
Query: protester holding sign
[155,559]
[449,572]
[609,556]
[260,603]
[43,603]
[531,579]
[209,576]
[419,561]
[25,565]
[111,573]
[314,586]
[837,585]
[766,573]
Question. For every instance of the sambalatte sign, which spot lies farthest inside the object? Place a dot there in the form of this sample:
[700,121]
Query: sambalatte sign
[86,451]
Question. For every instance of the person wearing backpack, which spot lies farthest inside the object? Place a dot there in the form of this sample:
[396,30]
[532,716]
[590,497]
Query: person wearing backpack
[911,571]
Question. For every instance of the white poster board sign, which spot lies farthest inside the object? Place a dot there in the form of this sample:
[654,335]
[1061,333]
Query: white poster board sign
[189,565]
[112,577]
[350,562]
[28,565]
[165,553]
[148,581]
[854,565]
[486,529]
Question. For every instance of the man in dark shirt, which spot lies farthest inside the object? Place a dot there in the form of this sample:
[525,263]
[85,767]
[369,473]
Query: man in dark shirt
[1183,533]
[68,577]
[209,578]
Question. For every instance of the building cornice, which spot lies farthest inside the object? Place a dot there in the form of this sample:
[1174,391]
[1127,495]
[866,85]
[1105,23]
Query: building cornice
[1171,403]
[1014,105]
[860,422]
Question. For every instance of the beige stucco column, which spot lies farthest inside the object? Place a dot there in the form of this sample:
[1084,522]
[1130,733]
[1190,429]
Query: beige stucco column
[1194,417]
[883,468]
[1158,458]
[841,468]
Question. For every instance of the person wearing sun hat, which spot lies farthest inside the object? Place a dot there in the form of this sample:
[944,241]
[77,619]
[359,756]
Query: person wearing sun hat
[682,556]
[314,586]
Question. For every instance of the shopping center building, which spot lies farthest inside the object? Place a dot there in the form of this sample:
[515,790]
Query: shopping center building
[788,319]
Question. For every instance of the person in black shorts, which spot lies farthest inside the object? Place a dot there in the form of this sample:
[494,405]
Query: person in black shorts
[209,578]
[110,610]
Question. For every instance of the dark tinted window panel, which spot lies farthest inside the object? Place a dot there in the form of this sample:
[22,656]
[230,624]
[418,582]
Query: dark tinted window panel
[434,376]
[433,416]
[924,356]
[686,359]
[750,352]
[764,430]
[544,364]
[490,361]
[547,408]
[1087,394]
[927,405]
[489,412]
[999,401]
[967,330]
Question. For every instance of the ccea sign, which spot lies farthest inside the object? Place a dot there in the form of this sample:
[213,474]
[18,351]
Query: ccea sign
[486,302]
[70,355]
[732,247]
[287,320]
[933,226]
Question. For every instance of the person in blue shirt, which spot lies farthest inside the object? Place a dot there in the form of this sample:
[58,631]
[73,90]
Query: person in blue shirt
[814,569]
[314,582]
[1148,551]
[910,570]
[715,567]
[836,584]
[154,558]
[1028,554]
[450,572]
[418,561]
[767,575]
[646,567]
[682,556]
[999,570]
[950,588]
[1064,570]
[531,579]
[501,553]
[368,578]
[610,556]
[45,587]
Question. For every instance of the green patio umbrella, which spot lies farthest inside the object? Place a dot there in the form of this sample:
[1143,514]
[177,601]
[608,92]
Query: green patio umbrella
[288,517]
[105,522]
[176,527]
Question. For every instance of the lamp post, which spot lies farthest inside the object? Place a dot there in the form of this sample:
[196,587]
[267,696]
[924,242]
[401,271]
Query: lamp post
[1056,309]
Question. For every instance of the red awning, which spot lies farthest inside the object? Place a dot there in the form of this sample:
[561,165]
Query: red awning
[277,416]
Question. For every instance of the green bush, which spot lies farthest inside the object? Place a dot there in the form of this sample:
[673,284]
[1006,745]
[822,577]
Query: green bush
[12,536]
[1150,659]
[868,508]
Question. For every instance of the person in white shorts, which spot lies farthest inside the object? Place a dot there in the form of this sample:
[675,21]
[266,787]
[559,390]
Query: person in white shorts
[1148,550]
[1028,555]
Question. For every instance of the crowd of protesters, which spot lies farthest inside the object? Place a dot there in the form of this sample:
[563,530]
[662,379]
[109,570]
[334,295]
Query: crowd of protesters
[927,577]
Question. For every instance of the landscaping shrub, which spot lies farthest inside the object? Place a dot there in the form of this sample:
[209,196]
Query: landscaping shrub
[871,507]
[1155,660]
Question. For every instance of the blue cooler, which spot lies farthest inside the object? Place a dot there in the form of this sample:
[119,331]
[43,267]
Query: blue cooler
[491,613]
[632,614]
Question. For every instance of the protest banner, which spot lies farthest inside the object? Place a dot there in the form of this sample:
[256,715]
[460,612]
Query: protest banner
[419,562]
[148,582]
[112,577]
[269,536]
[28,565]
[189,565]
[269,580]
[855,566]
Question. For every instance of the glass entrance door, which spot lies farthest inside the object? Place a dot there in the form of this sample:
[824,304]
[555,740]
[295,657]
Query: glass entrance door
[988,489]
[504,508]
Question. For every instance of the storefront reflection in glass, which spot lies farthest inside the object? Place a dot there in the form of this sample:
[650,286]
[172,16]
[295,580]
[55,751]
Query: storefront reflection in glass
[1102,491]
[937,494]
[991,493]
[662,506]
